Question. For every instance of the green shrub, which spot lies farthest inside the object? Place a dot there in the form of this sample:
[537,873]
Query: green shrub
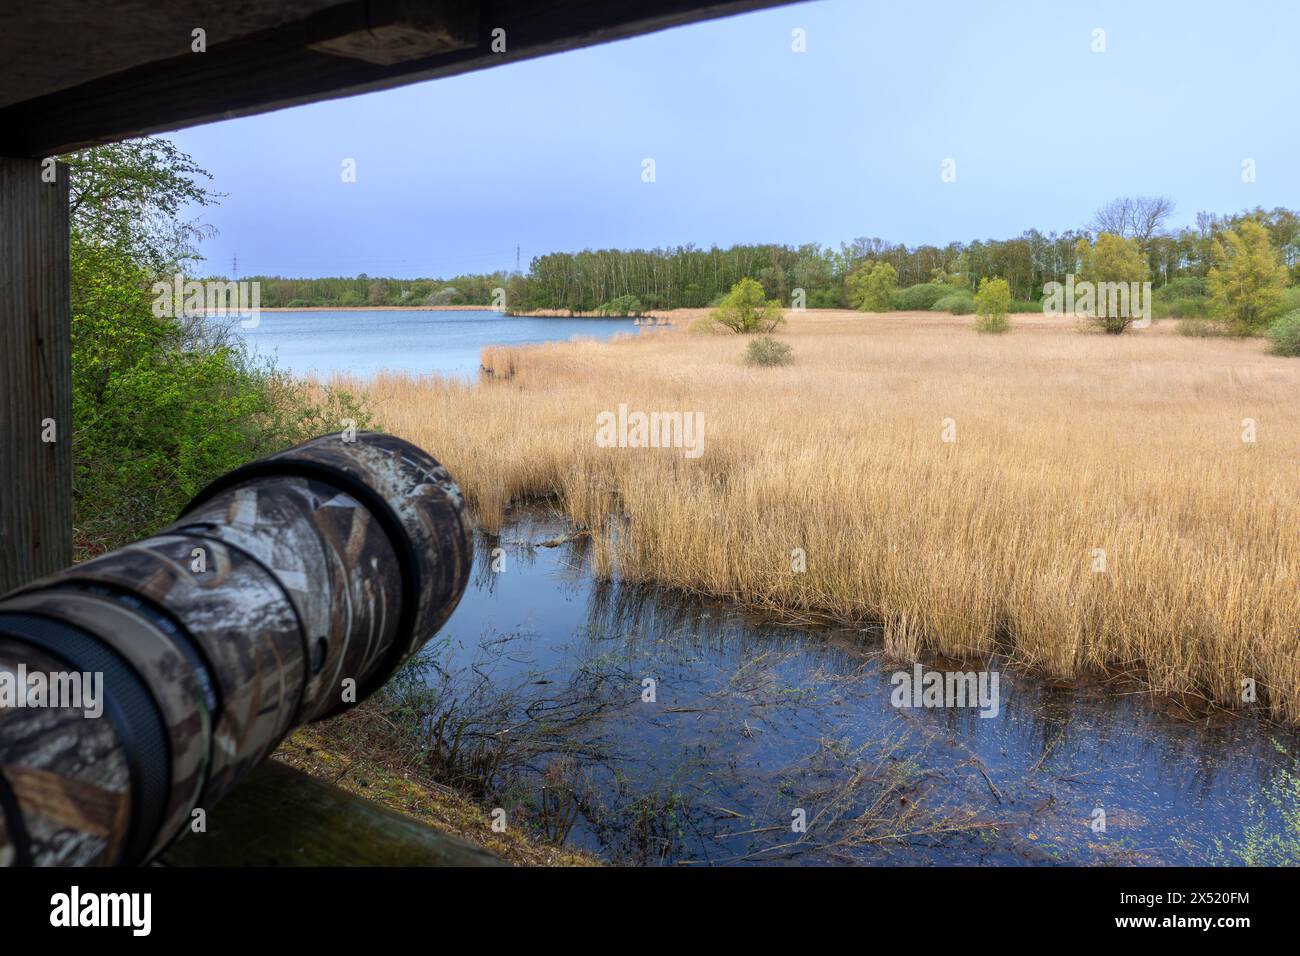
[918,298]
[1290,300]
[161,403]
[1184,287]
[959,303]
[825,299]
[768,351]
[1024,305]
[1187,297]
[1191,307]
[991,304]
[624,305]
[1285,335]
[164,405]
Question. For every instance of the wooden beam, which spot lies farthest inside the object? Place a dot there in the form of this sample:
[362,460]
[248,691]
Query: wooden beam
[328,55]
[35,372]
[280,816]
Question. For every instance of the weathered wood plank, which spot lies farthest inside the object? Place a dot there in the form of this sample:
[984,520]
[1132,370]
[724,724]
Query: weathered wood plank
[280,816]
[35,373]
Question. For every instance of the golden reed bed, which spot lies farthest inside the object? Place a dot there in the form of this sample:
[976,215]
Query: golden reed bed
[1073,452]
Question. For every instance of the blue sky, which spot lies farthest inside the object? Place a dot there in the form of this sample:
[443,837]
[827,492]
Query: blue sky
[753,142]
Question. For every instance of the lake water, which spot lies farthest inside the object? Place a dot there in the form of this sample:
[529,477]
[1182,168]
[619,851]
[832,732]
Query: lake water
[753,723]
[419,342]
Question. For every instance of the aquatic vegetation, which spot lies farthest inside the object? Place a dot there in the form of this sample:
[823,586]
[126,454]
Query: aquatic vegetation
[1263,842]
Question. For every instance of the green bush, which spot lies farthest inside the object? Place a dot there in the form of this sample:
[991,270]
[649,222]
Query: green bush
[161,404]
[958,303]
[918,298]
[1285,335]
[624,305]
[1187,297]
[768,351]
[1290,300]
[825,299]
[1186,308]
[991,303]
[1184,287]
[1024,305]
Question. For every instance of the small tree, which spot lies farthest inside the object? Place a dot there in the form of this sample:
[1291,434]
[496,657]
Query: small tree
[1247,280]
[870,286]
[991,304]
[1111,259]
[746,309]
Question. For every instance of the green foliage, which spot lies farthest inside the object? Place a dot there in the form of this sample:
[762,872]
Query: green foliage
[1112,259]
[1187,297]
[1247,281]
[768,351]
[870,287]
[1189,308]
[1285,335]
[992,300]
[958,303]
[1025,305]
[745,309]
[161,404]
[1290,300]
[624,305]
[130,195]
[918,298]
[827,298]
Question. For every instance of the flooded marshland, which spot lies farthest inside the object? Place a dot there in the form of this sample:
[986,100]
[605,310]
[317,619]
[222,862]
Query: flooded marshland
[652,727]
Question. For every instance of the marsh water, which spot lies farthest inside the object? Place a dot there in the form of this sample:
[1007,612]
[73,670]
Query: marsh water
[654,727]
[416,341]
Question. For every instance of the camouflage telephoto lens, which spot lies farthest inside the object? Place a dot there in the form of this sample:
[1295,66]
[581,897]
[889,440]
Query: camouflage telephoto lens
[152,679]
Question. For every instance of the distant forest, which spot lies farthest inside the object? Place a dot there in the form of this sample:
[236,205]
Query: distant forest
[690,277]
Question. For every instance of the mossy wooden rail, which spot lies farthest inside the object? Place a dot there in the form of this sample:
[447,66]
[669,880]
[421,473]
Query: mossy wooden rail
[280,816]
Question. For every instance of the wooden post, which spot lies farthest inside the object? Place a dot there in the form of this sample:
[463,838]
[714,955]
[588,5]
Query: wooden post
[35,372]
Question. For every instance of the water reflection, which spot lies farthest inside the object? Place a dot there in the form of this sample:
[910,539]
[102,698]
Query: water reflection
[655,727]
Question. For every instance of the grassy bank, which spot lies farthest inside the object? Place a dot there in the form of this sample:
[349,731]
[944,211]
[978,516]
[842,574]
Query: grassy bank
[1073,452]
[363,752]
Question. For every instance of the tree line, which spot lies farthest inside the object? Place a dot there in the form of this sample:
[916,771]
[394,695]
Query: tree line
[688,276]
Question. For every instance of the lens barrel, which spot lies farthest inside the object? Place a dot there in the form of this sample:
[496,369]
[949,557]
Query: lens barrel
[288,590]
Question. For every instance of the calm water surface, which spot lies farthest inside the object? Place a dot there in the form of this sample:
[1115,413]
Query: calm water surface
[753,722]
[447,343]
